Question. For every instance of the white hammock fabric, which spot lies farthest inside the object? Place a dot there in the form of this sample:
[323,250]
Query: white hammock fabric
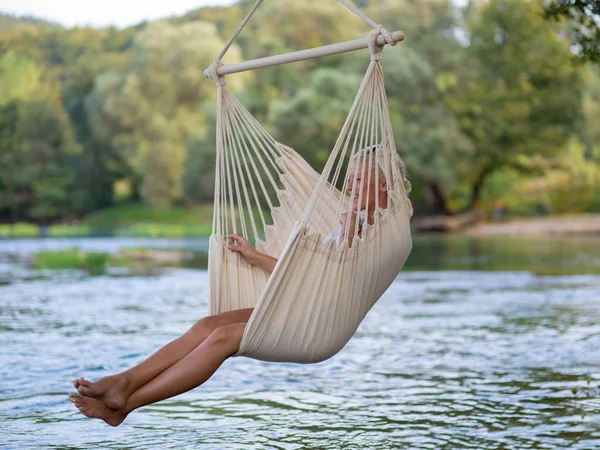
[320,290]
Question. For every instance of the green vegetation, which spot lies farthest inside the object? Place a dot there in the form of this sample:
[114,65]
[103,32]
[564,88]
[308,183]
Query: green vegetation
[131,214]
[97,263]
[584,24]
[115,128]
[63,259]
[68,230]
[132,220]
[158,230]
[93,263]
[144,221]
[19,229]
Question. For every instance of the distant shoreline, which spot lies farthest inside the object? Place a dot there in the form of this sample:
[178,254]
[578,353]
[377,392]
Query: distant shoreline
[584,224]
[465,225]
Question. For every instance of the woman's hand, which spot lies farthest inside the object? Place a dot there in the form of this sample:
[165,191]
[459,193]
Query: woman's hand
[240,245]
[249,253]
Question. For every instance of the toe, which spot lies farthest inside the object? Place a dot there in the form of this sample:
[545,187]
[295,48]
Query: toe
[84,387]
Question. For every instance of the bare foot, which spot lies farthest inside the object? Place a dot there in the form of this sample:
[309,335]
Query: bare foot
[95,409]
[112,391]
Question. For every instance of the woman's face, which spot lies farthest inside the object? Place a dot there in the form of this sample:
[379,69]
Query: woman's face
[358,185]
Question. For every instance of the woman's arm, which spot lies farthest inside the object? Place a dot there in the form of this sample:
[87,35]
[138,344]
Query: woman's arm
[265,262]
[250,254]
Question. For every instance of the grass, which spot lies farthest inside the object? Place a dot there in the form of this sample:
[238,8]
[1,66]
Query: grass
[59,259]
[96,263]
[136,220]
[73,258]
[163,230]
[134,214]
[68,230]
[19,230]
[131,220]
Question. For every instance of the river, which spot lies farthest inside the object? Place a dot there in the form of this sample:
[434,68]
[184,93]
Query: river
[481,343]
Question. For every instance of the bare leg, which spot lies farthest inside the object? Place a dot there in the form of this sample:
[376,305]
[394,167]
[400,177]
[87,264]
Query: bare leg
[186,374]
[114,390]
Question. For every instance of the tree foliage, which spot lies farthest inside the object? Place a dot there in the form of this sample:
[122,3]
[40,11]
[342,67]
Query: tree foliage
[473,91]
[36,147]
[583,17]
[148,111]
[519,95]
[427,134]
[311,121]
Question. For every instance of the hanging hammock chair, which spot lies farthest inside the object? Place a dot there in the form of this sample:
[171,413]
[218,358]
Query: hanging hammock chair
[321,287]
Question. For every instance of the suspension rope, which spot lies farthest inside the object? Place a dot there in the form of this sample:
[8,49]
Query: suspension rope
[238,30]
[212,71]
[385,33]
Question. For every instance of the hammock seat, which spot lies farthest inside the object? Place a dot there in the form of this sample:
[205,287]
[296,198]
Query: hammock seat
[321,289]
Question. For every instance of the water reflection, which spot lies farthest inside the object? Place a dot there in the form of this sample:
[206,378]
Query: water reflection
[541,255]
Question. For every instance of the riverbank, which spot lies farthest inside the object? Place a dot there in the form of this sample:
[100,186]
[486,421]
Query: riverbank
[143,222]
[585,224]
[128,220]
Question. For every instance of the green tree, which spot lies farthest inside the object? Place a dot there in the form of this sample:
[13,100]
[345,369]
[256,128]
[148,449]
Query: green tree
[590,131]
[99,165]
[150,110]
[36,148]
[198,178]
[518,98]
[36,143]
[19,77]
[584,22]
[311,121]
[9,24]
[310,23]
[417,72]
[434,149]
[429,27]
[69,60]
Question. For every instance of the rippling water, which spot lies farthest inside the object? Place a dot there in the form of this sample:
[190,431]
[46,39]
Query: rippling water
[446,359]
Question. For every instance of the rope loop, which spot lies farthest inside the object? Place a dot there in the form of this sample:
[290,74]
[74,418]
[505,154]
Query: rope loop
[373,47]
[386,35]
[376,48]
[211,73]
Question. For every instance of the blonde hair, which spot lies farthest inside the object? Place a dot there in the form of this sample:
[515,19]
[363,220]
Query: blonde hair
[367,154]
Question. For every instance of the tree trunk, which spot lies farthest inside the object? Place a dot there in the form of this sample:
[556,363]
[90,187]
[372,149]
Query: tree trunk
[438,199]
[476,192]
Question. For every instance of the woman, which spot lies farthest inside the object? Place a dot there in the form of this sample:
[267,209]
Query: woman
[190,360]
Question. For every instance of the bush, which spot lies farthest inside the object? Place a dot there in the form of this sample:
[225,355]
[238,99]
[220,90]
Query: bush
[96,263]
[59,259]
[19,230]
[161,230]
[68,230]
[73,258]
